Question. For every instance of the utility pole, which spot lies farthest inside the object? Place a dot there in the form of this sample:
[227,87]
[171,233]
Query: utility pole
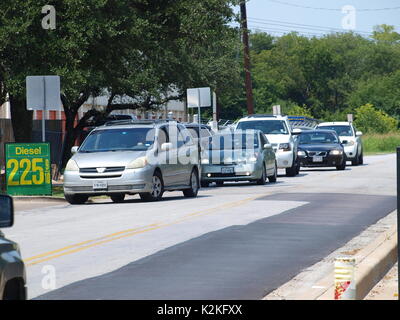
[245,37]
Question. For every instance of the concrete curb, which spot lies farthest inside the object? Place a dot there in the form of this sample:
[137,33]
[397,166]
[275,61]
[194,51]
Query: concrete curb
[372,263]
[38,199]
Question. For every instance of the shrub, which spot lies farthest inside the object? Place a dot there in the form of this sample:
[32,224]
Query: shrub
[370,120]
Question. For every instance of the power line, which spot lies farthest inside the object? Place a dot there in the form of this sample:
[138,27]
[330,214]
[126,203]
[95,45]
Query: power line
[300,26]
[330,9]
[285,31]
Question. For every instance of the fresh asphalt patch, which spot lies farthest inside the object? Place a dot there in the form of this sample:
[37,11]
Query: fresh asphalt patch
[241,262]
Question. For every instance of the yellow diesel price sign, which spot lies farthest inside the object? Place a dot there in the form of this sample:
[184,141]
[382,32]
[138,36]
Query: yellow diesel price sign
[28,169]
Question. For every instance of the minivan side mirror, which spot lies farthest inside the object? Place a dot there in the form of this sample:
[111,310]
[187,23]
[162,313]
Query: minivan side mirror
[359,134]
[267,146]
[166,146]
[6,211]
[74,149]
[296,131]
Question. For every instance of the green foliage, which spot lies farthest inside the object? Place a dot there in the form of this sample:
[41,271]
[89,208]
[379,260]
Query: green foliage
[330,76]
[370,120]
[381,143]
[385,33]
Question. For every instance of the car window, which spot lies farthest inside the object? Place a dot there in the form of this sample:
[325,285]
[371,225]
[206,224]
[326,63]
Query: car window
[317,138]
[341,130]
[135,139]
[266,126]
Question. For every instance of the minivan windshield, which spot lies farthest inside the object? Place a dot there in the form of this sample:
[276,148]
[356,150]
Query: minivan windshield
[133,139]
[317,138]
[266,126]
[344,130]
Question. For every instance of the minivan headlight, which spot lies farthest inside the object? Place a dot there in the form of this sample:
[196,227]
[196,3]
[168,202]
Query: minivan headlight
[137,163]
[301,153]
[350,143]
[71,166]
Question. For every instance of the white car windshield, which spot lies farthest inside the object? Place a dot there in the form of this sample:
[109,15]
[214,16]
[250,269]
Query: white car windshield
[266,126]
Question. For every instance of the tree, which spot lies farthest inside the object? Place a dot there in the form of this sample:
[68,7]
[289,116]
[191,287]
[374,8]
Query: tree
[385,33]
[144,49]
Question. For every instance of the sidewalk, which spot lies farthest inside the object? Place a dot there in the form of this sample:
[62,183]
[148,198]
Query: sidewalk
[375,251]
[387,288]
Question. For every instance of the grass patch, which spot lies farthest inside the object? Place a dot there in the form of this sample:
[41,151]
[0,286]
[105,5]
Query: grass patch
[381,143]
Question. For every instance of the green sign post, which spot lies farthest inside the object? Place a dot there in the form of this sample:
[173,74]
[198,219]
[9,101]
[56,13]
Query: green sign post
[28,168]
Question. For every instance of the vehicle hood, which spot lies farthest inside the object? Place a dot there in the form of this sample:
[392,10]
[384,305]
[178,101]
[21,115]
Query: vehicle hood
[106,159]
[342,138]
[320,147]
[278,138]
[228,155]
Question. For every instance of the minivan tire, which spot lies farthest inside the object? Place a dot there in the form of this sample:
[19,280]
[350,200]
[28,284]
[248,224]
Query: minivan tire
[155,195]
[118,198]
[76,198]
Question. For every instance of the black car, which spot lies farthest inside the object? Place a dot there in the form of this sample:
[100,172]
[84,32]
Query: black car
[321,148]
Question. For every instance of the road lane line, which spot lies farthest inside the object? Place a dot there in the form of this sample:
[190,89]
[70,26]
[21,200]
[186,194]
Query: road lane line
[129,233]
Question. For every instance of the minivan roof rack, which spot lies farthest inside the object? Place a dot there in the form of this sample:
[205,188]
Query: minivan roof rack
[145,121]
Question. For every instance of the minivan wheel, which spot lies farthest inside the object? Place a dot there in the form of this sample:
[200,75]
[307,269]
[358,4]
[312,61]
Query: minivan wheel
[76,198]
[157,189]
[275,175]
[118,198]
[194,185]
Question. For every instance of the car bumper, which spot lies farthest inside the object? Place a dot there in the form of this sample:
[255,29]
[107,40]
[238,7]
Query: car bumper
[328,161]
[350,151]
[244,172]
[129,181]
[284,159]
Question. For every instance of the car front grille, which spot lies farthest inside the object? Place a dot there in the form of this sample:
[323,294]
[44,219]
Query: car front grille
[317,153]
[107,170]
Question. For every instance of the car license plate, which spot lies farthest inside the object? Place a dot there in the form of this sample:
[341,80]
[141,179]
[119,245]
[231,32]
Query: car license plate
[318,159]
[99,185]
[227,170]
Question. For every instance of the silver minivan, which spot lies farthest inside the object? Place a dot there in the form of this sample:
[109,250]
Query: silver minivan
[12,268]
[133,157]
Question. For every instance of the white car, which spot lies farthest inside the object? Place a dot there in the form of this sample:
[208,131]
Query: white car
[349,137]
[278,131]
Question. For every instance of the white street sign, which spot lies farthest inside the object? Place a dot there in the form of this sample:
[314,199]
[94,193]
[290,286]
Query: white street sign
[199,97]
[43,93]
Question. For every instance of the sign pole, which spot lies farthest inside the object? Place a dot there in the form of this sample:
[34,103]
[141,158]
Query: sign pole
[199,119]
[44,112]
[398,221]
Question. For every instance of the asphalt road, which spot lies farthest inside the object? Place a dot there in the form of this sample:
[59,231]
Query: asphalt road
[234,242]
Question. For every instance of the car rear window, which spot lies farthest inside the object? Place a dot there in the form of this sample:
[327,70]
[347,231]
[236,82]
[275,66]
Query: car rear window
[340,130]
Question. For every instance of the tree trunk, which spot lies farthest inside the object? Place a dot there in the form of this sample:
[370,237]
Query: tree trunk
[21,120]
[69,138]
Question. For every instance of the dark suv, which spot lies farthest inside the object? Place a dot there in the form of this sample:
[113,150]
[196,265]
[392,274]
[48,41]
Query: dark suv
[12,268]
